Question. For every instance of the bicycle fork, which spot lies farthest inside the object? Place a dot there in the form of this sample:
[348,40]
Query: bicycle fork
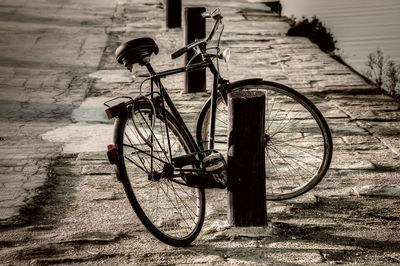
[213,113]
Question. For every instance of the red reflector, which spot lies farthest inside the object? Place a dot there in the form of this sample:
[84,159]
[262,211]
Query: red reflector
[111,147]
[116,110]
[112,153]
[108,113]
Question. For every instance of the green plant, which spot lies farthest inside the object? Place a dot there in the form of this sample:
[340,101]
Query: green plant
[393,77]
[384,73]
[315,30]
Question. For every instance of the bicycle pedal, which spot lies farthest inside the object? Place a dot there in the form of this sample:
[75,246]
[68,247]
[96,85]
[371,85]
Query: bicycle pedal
[214,174]
[187,159]
[205,157]
[213,162]
[204,180]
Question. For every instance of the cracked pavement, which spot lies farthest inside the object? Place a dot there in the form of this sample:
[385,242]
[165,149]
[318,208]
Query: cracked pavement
[48,50]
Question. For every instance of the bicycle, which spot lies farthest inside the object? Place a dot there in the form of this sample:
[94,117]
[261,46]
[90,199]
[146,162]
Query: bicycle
[164,169]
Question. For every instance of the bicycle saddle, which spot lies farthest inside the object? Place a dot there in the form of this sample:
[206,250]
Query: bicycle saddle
[136,51]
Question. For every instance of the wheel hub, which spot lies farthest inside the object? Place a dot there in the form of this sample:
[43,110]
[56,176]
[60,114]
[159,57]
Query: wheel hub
[167,173]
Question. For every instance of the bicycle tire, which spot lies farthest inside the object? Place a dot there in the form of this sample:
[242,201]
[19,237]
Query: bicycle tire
[172,212]
[286,166]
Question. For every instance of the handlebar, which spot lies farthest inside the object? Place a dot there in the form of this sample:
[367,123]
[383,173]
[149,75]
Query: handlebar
[178,53]
[216,15]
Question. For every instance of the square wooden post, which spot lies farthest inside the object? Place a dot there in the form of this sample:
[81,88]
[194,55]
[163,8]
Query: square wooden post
[173,14]
[195,28]
[246,159]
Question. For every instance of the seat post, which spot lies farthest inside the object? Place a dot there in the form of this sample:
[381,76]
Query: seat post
[150,69]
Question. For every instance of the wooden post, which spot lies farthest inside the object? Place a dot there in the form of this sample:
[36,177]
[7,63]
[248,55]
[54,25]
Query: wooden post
[195,28]
[246,159]
[173,13]
[275,6]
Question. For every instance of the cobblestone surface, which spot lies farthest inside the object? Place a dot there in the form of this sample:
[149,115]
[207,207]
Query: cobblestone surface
[56,129]
[47,49]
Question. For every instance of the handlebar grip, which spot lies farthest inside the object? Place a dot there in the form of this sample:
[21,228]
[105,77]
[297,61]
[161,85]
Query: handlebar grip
[216,14]
[179,52]
[206,15]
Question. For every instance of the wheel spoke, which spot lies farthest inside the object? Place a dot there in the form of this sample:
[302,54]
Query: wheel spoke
[298,148]
[171,208]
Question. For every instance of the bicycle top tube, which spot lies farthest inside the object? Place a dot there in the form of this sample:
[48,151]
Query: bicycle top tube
[188,68]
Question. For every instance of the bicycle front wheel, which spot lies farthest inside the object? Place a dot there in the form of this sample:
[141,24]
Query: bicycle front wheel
[147,139]
[298,147]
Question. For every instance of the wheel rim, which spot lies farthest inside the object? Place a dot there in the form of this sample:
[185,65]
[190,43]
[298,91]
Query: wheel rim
[172,211]
[295,154]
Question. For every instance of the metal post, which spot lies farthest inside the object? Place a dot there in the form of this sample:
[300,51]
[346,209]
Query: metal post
[246,159]
[195,28]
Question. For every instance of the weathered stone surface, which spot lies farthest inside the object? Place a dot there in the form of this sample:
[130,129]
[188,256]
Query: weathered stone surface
[113,76]
[8,212]
[81,137]
[91,110]
[49,50]
[379,191]
[353,166]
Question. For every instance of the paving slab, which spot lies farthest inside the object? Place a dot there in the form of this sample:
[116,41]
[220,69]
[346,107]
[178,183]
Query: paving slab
[48,48]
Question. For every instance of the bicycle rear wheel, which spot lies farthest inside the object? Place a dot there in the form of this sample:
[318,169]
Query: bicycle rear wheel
[170,210]
[298,147]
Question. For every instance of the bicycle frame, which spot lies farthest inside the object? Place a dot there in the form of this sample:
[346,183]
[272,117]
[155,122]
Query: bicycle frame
[218,85]
[155,180]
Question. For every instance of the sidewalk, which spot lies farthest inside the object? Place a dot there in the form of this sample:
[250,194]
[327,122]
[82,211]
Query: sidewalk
[47,51]
[352,216]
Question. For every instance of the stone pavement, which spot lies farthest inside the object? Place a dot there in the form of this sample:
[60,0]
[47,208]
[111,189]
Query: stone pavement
[48,48]
[352,216]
